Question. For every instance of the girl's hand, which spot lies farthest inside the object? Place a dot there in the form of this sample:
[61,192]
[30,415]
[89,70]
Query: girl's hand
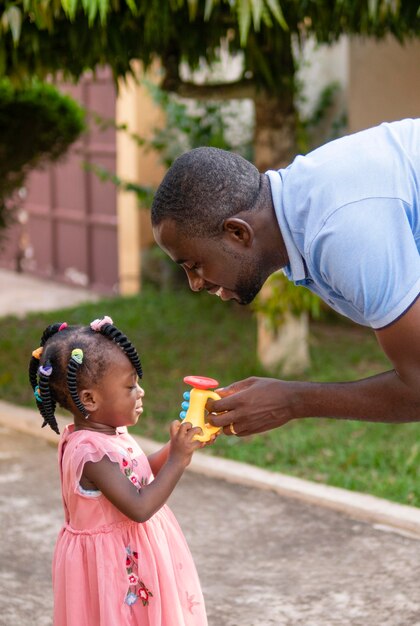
[182,444]
[211,441]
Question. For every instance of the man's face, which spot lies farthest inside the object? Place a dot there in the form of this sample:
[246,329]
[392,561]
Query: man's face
[219,266]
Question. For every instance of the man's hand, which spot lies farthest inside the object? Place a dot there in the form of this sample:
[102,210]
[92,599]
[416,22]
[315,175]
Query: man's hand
[252,406]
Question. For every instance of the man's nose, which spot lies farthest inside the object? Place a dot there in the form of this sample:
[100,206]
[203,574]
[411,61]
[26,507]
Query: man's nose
[195,281]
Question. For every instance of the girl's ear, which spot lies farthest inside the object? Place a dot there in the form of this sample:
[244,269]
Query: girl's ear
[89,399]
[239,230]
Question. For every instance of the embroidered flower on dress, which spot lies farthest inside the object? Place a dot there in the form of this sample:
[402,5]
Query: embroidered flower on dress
[132,579]
[137,589]
[143,595]
[127,464]
[191,602]
[130,598]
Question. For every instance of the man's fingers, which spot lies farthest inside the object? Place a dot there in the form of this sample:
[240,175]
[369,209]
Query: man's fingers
[220,406]
[220,419]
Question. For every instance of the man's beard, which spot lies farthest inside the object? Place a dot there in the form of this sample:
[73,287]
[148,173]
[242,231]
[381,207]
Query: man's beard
[249,283]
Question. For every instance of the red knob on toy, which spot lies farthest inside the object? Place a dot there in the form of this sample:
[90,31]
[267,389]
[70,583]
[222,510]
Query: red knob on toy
[201,382]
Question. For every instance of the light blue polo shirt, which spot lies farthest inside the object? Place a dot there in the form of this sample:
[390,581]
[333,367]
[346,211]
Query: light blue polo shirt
[349,213]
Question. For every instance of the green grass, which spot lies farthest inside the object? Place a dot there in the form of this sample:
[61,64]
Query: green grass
[178,333]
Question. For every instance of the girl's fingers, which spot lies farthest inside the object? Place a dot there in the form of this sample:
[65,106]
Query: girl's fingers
[174,427]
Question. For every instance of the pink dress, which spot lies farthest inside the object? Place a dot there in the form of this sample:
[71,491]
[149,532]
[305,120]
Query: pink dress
[107,569]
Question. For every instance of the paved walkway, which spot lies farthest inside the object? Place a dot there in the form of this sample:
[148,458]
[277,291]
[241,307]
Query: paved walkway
[263,559]
[266,557]
[22,293]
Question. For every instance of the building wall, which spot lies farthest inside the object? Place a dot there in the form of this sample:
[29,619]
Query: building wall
[384,82]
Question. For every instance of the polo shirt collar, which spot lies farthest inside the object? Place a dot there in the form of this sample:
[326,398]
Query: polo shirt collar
[295,271]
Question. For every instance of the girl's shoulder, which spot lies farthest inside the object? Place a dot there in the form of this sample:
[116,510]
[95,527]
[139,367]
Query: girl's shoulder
[94,444]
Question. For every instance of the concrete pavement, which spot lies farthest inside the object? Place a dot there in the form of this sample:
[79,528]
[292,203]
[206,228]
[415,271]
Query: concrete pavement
[21,294]
[263,559]
[270,549]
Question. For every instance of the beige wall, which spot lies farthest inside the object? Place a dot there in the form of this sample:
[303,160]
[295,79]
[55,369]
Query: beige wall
[384,82]
[136,109]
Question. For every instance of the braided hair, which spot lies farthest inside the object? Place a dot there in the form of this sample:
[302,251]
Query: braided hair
[46,405]
[69,357]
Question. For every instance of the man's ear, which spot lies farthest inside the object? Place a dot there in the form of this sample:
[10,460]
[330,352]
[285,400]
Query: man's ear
[239,230]
[89,400]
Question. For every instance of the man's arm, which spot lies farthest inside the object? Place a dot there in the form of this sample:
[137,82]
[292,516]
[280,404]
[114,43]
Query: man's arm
[401,343]
[259,404]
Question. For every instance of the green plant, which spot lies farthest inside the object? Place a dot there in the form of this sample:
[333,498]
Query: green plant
[307,131]
[37,125]
[188,126]
[198,123]
[282,297]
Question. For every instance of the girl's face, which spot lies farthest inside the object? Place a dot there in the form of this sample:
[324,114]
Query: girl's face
[118,394]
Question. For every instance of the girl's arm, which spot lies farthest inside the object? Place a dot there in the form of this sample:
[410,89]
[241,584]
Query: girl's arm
[159,458]
[140,505]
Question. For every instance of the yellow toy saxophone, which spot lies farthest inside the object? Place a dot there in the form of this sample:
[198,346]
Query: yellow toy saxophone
[196,404]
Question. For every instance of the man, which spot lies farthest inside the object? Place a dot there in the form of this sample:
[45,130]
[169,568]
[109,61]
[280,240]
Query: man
[342,221]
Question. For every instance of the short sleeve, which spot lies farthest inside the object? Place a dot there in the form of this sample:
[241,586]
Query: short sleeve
[88,449]
[367,255]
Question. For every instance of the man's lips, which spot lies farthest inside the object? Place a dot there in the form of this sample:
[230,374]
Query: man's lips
[223,293]
[215,291]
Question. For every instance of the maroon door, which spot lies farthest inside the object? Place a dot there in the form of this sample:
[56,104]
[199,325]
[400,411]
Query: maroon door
[68,223]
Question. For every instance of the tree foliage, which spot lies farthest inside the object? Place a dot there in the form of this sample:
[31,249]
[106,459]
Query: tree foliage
[37,124]
[70,36]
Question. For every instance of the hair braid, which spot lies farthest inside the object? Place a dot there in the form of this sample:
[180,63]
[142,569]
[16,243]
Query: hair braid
[45,403]
[112,332]
[73,366]
[50,331]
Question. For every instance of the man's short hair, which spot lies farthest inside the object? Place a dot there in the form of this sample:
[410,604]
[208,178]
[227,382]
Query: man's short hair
[203,188]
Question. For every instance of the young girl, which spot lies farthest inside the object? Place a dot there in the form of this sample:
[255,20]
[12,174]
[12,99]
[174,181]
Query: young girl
[121,558]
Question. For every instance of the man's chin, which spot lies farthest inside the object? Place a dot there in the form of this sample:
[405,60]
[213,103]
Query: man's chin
[245,300]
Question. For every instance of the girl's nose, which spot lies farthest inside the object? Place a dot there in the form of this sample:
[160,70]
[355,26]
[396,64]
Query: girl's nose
[140,391]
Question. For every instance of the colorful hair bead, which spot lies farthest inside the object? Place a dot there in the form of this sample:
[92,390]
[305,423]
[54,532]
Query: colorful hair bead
[77,355]
[97,324]
[46,369]
[37,353]
[37,394]
[63,326]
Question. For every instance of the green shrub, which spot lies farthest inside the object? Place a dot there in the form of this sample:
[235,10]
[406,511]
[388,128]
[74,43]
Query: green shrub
[37,125]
